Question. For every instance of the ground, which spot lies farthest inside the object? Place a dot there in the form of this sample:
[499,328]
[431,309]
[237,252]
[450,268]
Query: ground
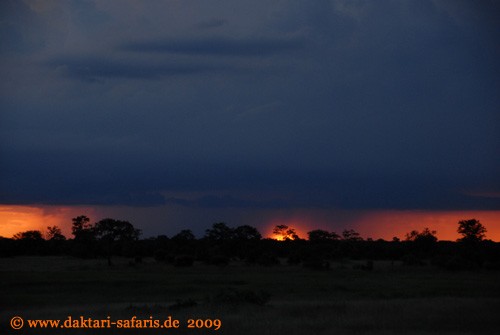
[283,299]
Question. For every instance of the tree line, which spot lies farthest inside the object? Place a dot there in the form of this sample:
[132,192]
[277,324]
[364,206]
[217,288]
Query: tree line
[222,244]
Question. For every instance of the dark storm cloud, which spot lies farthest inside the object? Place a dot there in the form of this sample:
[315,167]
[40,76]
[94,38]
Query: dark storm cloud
[354,195]
[211,24]
[91,68]
[218,46]
[21,31]
[227,201]
[72,179]
[324,104]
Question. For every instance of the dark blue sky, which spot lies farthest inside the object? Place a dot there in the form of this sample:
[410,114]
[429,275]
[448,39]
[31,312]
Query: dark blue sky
[255,105]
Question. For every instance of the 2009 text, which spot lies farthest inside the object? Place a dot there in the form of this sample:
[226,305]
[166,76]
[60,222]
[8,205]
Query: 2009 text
[82,322]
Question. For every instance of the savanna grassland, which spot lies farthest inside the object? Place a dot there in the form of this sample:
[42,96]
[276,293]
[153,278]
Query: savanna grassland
[280,299]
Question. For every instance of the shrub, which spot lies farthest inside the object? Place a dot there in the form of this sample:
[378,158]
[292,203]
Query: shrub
[456,262]
[183,260]
[412,260]
[267,260]
[237,297]
[160,255]
[294,259]
[316,263]
[219,260]
[180,304]
[366,267]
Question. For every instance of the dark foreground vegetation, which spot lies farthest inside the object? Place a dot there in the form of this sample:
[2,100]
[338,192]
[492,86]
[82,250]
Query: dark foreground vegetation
[222,244]
[328,284]
[391,298]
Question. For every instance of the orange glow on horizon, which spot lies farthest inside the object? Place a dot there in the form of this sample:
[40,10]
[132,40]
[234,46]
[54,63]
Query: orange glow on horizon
[301,227]
[389,224]
[386,224]
[374,224]
[15,219]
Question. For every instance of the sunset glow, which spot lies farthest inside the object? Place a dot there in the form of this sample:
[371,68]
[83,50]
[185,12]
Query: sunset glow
[387,224]
[301,227]
[14,219]
[384,224]
[175,115]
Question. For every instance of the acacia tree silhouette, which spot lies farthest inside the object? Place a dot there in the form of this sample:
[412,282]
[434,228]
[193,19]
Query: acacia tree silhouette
[54,234]
[184,235]
[109,230]
[319,235]
[283,232]
[351,235]
[30,242]
[219,232]
[247,233]
[29,235]
[422,246]
[427,236]
[471,230]
[82,229]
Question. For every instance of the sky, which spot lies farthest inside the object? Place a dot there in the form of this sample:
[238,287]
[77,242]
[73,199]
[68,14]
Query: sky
[382,116]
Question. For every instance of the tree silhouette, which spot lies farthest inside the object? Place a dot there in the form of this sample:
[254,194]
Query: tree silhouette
[54,234]
[30,242]
[82,229]
[109,231]
[351,235]
[116,230]
[29,235]
[222,243]
[425,237]
[421,246]
[318,235]
[183,242]
[219,232]
[247,233]
[246,239]
[55,240]
[471,230]
[184,235]
[283,232]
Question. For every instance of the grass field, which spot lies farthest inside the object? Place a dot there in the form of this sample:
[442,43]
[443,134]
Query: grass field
[391,299]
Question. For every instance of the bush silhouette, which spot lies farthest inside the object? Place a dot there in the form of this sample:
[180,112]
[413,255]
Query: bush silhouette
[183,260]
[471,230]
[316,263]
[238,297]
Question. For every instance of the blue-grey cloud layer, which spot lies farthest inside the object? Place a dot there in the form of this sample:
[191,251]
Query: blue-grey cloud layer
[216,46]
[328,104]
[95,68]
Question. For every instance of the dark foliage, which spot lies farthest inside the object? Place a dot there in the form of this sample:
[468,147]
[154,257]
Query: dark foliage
[316,263]
[183,260]
[182,304]
[238,297]
[223,245]
[471,230]
[219,260]
[412,260]
[320,235]
[283,232]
